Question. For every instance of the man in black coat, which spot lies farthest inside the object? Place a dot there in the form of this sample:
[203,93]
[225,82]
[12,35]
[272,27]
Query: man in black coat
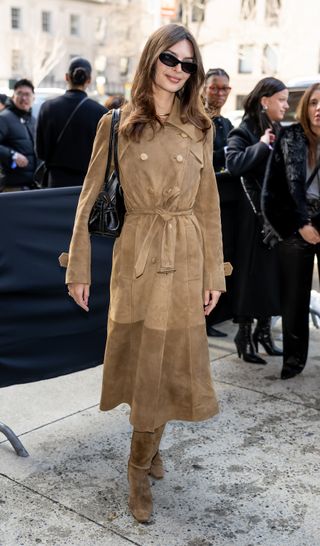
[17,130]
[216,92]
[66,129]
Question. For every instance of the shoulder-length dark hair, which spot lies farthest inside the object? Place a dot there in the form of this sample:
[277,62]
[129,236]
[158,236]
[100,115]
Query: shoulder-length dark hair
[303,117]
[252,104]
[143,110]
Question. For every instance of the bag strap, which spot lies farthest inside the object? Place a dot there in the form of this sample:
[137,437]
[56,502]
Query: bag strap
[113,148]
[64,128]
[312,175]
[70,118]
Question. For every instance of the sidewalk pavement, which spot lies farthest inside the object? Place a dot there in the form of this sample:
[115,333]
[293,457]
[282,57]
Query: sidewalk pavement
[249,477]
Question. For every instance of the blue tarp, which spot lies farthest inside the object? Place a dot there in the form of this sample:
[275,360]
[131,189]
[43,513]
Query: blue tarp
[43,333]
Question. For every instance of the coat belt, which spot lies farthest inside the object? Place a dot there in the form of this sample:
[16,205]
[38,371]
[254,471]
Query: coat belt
[168,240]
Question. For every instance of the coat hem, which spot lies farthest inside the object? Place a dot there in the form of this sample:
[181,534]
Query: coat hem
[170,416]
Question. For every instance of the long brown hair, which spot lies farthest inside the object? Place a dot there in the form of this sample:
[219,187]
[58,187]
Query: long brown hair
[303,117]
[143,108]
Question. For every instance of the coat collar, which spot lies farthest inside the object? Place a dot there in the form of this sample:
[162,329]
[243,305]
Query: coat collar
[174,119]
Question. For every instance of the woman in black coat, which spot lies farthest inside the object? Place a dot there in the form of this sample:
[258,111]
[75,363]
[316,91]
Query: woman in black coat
[291,203]
[256,276]
[216,92]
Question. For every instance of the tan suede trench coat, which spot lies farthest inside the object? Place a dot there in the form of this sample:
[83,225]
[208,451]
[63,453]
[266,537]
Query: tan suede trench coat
[168,253]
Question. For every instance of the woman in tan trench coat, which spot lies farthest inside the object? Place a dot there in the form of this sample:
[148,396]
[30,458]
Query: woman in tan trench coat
[167,269]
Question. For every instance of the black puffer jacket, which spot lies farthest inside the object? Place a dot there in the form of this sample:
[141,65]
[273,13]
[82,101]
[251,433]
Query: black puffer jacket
[17,133]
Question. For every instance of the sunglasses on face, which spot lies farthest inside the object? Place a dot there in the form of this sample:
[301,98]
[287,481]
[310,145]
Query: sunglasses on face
[170,60]
[217,88]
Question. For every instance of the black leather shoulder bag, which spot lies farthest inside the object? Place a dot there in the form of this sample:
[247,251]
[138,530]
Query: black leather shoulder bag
[107,214]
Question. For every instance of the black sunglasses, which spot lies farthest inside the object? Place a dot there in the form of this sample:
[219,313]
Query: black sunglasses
[170,60]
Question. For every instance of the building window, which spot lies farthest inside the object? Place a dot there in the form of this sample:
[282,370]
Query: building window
[15,18]
[273,9]
[46,21]
[248,9]
[270,59]
[73,56]
[245,63]
[74,25]
[16,61]
[198,11]
[100,30]
[240,101]
[124,66]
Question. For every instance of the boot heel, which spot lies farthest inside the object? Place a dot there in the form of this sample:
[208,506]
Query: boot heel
[245,344]
[262,335]
[237,344]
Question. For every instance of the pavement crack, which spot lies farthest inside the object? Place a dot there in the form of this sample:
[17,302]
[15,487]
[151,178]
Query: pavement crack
[52,422]
[69,509]
[270,395]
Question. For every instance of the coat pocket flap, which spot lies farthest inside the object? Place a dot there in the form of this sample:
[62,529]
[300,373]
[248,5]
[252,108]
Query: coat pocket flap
[197,150]
[63,259]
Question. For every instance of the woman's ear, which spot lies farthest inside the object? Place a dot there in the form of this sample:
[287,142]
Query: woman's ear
[264,103]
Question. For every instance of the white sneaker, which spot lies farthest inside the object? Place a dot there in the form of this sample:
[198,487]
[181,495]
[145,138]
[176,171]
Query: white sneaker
[314,308]
[315,302]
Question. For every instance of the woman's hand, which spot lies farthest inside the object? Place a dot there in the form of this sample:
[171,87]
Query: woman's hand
[80,293]
[211,298]
[268,137]
[310,234]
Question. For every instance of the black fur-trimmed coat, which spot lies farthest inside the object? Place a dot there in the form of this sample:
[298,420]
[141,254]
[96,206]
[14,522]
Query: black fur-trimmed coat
[284,201]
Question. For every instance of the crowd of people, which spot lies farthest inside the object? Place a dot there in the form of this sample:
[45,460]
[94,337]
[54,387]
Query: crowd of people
[168,263]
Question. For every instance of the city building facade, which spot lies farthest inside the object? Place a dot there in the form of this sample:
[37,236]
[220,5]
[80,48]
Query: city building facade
[252,39]
[39,38]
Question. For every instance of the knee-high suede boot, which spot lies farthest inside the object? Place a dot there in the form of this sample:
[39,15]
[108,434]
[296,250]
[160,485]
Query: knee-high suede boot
[141,454]
[156,469]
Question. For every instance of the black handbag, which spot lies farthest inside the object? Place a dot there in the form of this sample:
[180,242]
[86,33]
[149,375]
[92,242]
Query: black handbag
[40,175]
[269,237]
[107,214]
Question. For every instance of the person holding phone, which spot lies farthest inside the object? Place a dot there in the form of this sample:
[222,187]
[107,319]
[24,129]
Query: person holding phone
[256,279]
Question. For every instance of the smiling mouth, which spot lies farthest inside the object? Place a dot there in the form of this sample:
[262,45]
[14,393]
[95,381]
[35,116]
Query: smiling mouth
[173,79]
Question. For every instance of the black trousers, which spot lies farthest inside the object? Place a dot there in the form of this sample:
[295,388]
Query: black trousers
[62,178]
[296,269]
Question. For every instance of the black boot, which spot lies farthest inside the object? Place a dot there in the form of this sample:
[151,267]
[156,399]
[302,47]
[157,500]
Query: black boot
[291,368]
[262,335]
[244,344]
[213,332]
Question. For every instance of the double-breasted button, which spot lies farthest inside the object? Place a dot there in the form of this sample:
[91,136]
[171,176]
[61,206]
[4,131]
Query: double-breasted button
[143,156]
[179,158]
[153,260]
